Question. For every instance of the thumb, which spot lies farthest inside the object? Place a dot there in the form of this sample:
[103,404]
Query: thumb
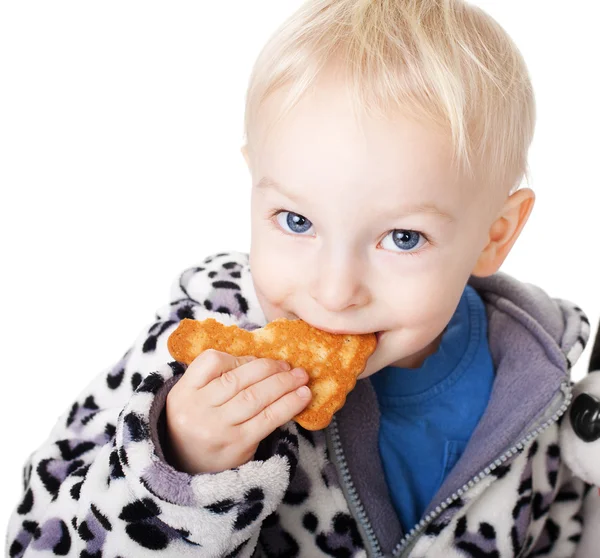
[210,364]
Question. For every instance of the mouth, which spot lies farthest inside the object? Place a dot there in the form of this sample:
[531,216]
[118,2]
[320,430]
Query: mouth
[378,334]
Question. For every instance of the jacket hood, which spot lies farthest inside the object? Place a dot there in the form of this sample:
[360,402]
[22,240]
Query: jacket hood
[534,341]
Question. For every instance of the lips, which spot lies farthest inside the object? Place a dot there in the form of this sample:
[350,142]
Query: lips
[378,334]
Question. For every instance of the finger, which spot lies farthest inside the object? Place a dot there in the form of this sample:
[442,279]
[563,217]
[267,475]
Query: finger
[255,398]
[275,415]
[208,365]
[229,384]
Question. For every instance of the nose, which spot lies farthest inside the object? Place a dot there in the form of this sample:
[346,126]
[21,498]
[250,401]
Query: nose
[338,282]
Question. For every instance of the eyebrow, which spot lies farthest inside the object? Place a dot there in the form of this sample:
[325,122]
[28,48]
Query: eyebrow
[267,183]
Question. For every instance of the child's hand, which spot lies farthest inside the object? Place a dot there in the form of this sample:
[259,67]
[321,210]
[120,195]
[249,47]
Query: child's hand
[223,406]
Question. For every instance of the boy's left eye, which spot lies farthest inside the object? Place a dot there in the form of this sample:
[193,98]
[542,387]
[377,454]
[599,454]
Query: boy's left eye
[294,222]
[405,240]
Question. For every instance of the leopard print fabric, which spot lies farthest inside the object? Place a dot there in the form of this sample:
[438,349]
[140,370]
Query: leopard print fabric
[100,485]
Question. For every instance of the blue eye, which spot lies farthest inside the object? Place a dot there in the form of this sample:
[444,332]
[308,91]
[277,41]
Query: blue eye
[294,222]
[406,241]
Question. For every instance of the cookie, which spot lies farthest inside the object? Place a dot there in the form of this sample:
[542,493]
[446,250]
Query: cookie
[333,361]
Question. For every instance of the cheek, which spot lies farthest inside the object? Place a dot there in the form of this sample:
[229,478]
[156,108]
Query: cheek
[428,297]
[274,273]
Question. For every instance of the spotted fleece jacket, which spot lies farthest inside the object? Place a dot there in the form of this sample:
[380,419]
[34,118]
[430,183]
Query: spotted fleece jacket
[100,486]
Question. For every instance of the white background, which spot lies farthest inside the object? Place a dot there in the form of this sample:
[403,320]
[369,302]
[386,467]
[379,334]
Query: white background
[120,130]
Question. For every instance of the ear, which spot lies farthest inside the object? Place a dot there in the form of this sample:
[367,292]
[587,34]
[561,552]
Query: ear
[245,154]
[504,232]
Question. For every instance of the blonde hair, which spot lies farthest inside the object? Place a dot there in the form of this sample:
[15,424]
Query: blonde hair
[444,60]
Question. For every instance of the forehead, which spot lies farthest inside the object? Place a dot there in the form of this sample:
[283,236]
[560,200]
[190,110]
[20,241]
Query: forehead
[325,145]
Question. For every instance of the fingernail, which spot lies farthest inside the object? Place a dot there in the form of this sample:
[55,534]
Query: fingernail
[303,392]
[284,365]
[298,372]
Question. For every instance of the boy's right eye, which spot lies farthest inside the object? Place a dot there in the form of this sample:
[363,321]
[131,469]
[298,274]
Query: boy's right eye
[293,222]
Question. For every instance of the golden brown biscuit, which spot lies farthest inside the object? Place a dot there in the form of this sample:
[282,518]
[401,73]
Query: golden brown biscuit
[333,361]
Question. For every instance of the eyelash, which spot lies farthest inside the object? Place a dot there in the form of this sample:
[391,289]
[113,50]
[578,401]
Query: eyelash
[276,227]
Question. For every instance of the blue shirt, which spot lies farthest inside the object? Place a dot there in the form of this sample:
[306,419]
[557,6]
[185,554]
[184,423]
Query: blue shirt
[428,414]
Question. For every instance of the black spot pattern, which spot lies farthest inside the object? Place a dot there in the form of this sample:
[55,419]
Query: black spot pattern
[114,380]
[226,285]
[116,471]
[137,428]
[26,503]
[532,450]
[78,468]
[136,378]
[151,341]
[84,532]
[250,508]
[110,430]
[90,403]
[123,456]
[72,413]
[538,508]
[32,527]
[139,510]
[148,536]
[78,449]
[76,490]
[177,367]
[310,522]
[242,302]
[343,524]
[102,519]
[223,506]
[152,383]
[553,451]
[461,527]
[63,546]
[434,529]
[51,483]
[487,531]
[15,549]
[186,311]
[501,471]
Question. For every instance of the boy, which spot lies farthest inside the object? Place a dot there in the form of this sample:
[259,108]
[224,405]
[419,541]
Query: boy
[385,140]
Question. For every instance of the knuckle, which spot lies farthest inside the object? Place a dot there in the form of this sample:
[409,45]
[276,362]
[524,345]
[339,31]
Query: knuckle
[250,396]
[269,415]
[267,365]
[230,380]
[207,437]
[179,420]
[284,380]
[211,358]
[263,365]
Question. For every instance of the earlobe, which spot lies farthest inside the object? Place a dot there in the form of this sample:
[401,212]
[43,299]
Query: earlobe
[504,232]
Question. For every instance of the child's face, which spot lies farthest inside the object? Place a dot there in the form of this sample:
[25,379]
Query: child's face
[368,231]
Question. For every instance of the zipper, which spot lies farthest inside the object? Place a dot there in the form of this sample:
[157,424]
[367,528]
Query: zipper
[404,547]
[356,506]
